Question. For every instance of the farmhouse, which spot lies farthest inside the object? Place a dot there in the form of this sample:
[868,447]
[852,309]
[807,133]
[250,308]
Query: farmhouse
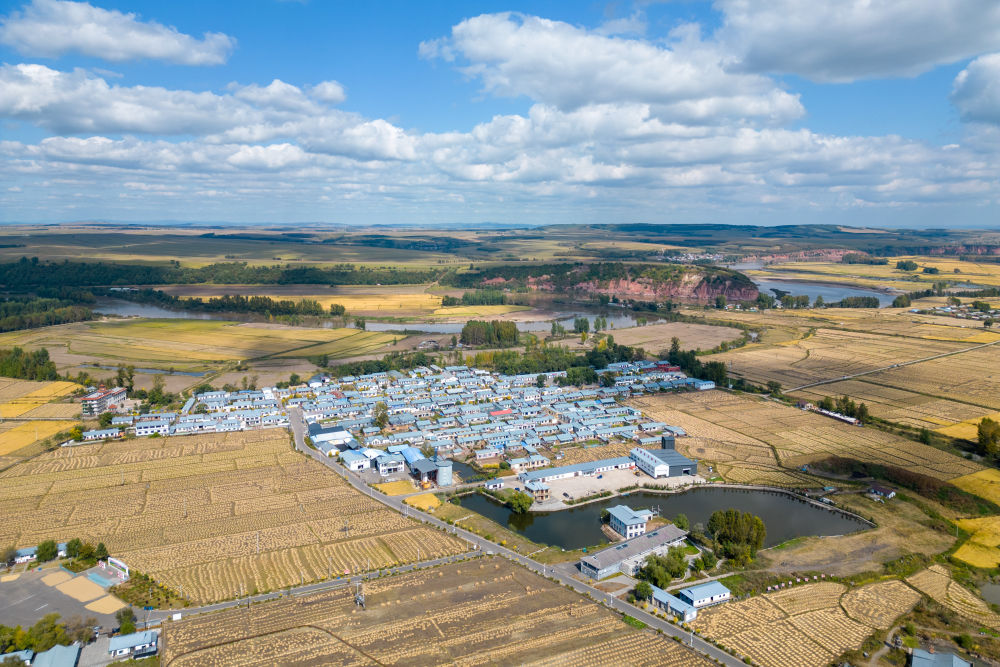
[674,606]
[539,491]
[627,522]
[102,434]
[629,556]
[704,595]
[922,658]
[101,401]
[57,656]
[881,491]
[137,644]
[354,460]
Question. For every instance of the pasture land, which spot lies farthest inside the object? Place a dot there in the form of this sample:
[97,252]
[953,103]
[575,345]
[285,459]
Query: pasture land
[212,515]
[481,612]
[188,344]
[806,625]
[753,440]
[936,583]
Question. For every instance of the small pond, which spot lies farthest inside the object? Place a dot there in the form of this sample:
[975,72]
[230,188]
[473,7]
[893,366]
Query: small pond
[830,293]
[123,308]
[784,516]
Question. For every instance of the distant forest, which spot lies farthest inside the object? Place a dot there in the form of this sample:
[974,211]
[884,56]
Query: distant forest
[27,273]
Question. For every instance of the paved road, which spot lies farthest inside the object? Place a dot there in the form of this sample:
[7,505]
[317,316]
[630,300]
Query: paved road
[886,368]
[485,546]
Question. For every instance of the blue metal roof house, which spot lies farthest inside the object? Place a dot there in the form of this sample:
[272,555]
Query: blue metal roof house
[922,658]
[58,656]
[674,606]
[136,644]
[704,595]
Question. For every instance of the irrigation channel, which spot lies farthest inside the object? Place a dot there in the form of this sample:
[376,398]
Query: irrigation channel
[785,516]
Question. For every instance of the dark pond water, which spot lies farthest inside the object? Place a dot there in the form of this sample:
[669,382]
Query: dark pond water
[464,470]
[991,592]
[784,516]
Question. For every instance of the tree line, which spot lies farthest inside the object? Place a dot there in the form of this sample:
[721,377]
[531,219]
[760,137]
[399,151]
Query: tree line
[688,360]
[28,312]
[26,273]
[36,365]
[481,297]
[231,303]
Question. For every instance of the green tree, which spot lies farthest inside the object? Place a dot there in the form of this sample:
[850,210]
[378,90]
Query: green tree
[381,414]
[643,590]
[681,521]
[73,547]
[101,552]
[105,419]
[46,633]
[359,323]
[519,502]
[294,379]
[337,310]
[720,301]
[76,433]
[906,265]
[126,620]
[661,570]
[901,301]
[774,387]
[46,551]
[540,380]
[8,554]
[87,552]
[738,535]
[988,432]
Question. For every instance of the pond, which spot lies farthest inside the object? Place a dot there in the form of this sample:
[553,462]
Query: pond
[830,293]
[784,516]
[464,470]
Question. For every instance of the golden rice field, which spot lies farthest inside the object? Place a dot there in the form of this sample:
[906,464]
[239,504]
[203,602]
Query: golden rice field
[968,429]
[487,611]
[982,549]
[981,273]
[753,440]
[805,625]
[25,398]
[212,515]
[397,488]
[425,501]
[22,434]
[192,343]
[477,311]
[936,583]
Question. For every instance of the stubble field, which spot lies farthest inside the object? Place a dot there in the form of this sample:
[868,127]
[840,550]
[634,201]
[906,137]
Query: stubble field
[481,612]
[806,625]
[213,515]
[753,440]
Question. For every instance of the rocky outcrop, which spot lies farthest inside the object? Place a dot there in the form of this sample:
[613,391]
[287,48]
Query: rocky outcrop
[690,287]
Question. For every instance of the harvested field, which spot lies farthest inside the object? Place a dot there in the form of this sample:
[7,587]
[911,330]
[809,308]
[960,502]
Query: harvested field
[971,377]
[656,337]
[900,406]
[936,583]
[750,438]
[22,434]
[213,515]
[804,625]
[829,354]
[481,612]
[188,344]
[425,501]
[397,488]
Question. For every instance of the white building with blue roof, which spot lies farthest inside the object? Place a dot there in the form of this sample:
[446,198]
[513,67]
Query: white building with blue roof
[704,595]
[137,644]
[628,522]
[673,606]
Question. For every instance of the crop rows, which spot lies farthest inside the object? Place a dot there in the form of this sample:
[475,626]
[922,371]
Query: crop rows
[806,625]
[181,509]
[490,612]
[936,583]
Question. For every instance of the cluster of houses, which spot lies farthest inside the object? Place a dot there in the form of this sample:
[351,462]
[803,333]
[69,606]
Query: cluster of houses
[963,311]
[434,414]
[137,645]
[209,412]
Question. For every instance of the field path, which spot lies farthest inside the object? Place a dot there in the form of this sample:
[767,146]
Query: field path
[887,368]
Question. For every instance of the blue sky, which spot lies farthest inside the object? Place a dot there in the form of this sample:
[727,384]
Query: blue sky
[745,111]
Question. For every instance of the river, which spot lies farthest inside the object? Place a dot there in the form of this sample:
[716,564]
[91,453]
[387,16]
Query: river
[784,516]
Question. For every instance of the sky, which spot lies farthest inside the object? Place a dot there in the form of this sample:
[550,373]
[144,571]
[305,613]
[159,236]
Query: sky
[854,112]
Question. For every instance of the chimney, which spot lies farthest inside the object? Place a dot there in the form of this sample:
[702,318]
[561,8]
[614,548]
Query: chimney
[667,442]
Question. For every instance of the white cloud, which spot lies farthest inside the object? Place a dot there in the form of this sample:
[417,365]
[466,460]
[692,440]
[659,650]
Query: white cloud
[51,28]
[330,92]
[845,40]
[569,67]
[976,92]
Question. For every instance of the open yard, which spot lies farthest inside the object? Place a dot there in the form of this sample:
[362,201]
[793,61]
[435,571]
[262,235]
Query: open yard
[753,440]
[482,612]
[808,624]
[189,344]
[212,516]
